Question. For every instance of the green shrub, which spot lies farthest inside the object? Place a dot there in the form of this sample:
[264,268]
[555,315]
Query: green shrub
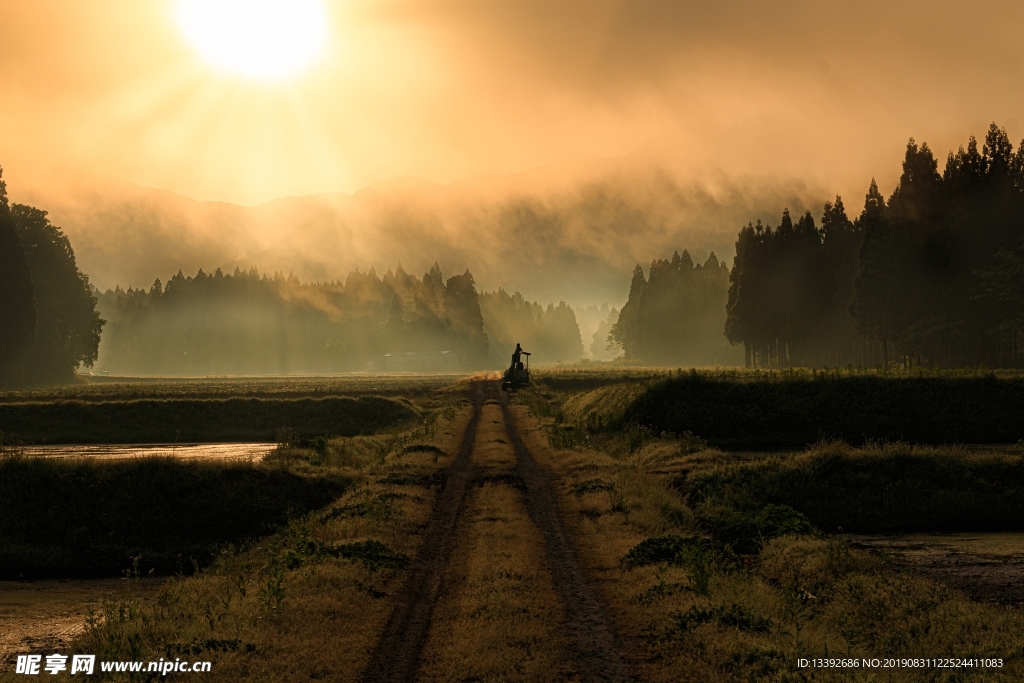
[747,530]
[664,550]
[878,488]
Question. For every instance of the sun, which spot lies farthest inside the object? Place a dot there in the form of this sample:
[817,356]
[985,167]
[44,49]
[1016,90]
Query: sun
[262,39]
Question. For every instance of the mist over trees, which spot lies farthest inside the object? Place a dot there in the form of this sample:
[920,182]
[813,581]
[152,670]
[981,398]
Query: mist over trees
[675,315]
[551,333]
[790,291]
[247,323]
[605,317]
[48,311]
[934,276]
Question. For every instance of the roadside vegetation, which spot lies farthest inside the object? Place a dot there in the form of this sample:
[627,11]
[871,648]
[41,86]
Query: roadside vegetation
[726,566]
[877,488]
[795,408]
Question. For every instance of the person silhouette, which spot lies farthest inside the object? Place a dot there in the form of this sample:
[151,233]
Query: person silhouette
[515,356]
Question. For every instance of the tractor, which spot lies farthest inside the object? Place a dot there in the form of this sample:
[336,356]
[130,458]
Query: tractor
[517,375]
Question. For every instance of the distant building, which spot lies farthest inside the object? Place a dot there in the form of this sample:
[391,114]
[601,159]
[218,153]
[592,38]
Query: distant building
[415,361]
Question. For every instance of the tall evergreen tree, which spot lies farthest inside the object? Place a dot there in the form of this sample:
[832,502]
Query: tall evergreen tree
[875,304]
[17,298]
[626,333]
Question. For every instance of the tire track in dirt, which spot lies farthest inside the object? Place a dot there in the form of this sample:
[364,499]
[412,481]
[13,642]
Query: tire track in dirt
[397,654]
[596,645]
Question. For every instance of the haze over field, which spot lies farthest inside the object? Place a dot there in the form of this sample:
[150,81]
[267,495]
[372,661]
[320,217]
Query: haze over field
[598,134]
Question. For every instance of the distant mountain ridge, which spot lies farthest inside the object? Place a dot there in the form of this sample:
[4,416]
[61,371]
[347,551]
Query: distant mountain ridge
[552,233]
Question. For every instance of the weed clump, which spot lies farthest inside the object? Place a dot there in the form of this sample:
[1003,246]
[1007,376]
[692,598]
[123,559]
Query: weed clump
[664,550]
[373,554]
[747,531]
[591,486]
[734,616]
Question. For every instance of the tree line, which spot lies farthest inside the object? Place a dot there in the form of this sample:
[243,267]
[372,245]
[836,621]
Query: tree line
[932,276]
[553,333]
[675,315]
[49,324]
[247,323]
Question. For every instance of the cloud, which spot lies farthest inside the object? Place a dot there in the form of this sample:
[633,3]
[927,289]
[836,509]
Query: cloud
[446,89]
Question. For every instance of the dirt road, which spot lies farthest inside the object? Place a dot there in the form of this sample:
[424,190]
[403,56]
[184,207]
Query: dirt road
[495,540]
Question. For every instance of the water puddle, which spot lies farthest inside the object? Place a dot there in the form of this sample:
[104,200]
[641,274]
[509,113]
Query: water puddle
[252,452]
[987,567]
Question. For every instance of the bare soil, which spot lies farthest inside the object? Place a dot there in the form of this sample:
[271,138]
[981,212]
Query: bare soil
[986,567]
[45,616]
[595,643]
[396,656]
[498,617]
[583,644]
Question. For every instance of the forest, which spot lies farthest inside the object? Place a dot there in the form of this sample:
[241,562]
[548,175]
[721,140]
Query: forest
[933,276]
[675,315]
[247,323]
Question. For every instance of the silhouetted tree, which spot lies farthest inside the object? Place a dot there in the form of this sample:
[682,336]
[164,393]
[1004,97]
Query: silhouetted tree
[462,312]
[623,335]
[67,326]
[934,280]
[676,315]
[17,299]
[551,333]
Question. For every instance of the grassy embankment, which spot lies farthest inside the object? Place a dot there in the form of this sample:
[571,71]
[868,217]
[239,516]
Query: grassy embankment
[129,388]
[792,409]
[65,518]
[174,420]
[717,566]
[81,518]
[308,601]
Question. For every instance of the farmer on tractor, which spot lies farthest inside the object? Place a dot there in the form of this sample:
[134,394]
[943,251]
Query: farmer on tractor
[517,374]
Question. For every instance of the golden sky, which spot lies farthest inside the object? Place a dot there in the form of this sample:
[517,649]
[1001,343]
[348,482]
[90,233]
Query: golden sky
[827,92]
